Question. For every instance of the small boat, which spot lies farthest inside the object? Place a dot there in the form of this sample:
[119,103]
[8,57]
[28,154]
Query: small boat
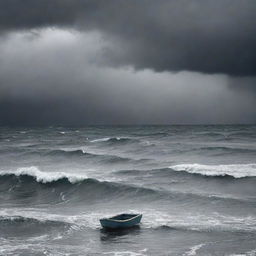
[120,221]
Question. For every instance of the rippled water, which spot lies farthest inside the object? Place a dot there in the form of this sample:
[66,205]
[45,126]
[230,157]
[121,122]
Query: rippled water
[194,185]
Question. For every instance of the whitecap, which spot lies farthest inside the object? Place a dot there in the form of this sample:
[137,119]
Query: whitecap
[192,251]
[235,170]
[101,140]
[45,177]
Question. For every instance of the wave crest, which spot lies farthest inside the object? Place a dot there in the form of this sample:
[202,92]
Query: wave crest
[114,140]
[82,154]
[17,219]
[45,177]
[234,170]
[32,186]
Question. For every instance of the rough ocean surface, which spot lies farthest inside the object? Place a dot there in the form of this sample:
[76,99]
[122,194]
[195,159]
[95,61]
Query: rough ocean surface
[194,185]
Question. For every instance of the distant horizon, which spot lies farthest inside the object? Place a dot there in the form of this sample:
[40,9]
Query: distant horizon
[125,125]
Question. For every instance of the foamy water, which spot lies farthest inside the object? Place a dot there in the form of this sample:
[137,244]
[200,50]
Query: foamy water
[194,185]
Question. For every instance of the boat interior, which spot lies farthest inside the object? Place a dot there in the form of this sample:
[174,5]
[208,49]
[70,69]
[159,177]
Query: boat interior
[124,216]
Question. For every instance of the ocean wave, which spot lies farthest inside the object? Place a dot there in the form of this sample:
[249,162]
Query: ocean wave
[62,152]
[153,134]
[242,134]
[32,227]
[233,170]
[21,220]
[230,150]
[152,219]
[198,222]
[211,134]
[42,217]
[81,153]
[69,152]
[44,177]
[100,140]
[115,140]
[32,186]
[193,250]
[217,150]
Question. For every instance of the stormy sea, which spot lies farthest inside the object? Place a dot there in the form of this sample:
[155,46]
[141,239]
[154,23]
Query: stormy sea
[194,185]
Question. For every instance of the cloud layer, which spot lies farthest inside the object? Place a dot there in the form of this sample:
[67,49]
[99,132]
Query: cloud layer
[53,77]
[197,35]
[127,62]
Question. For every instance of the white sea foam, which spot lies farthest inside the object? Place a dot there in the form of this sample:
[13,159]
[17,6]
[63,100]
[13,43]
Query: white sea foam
[151,219]
[126,253]
[45,177]
[249,253]
[198,222]
[82,149]
[78,221]
[235,170]
[101,140]
[192,251]
[108,139]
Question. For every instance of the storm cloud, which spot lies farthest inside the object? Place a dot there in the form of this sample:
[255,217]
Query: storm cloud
[197,35]
[48,79]
[79,62]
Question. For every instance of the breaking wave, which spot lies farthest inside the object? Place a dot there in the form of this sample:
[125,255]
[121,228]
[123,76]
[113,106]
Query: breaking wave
[82,153]
[26,226]
[152,219]
[199,222]
[32,186]
[233,170]
[115,140]
[21,220]
[44,177]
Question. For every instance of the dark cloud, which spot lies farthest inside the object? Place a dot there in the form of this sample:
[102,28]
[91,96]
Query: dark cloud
[95,62]
[197,35]
[53,78]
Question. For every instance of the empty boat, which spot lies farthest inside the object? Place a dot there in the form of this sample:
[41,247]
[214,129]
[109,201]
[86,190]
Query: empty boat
[124,220]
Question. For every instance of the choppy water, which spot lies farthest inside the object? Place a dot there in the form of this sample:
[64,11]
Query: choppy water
[195,185]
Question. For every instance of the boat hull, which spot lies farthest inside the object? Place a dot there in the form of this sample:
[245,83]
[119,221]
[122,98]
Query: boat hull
[113,223]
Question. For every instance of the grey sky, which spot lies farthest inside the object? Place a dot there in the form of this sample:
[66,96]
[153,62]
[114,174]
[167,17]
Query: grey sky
[127,62]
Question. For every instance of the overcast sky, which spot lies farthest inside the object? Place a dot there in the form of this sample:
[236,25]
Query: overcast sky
[79,62]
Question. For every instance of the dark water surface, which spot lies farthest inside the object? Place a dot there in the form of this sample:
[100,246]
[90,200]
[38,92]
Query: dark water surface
[194,185]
